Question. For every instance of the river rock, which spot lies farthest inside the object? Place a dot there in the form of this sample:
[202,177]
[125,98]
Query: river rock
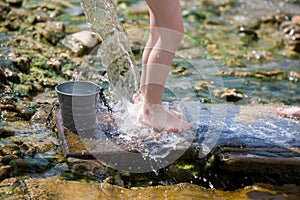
[13,20]
[52,31]
[2,75]
[87,167]
[61,189]
[5,171]
[229,94]
[10,149]
[81,43]
[49,97]
[217,3]
[22,63]
[15,3]
[30,165]
[24,111]
[5,8]
[291,32]
[6,131]
[8,103]
[294,75]
[11,107]
[31,147]
[42,114]
[296,19]
[7,158]
[41,17]
[8,71]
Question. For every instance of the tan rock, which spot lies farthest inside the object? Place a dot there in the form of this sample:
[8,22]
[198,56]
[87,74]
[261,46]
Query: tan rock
[296,19]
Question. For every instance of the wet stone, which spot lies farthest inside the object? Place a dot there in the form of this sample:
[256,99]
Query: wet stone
[5,171]
[52,31]
[45,98]
[42,114]
[296,19]
[13,21]
[15,3]
[54,64]
[30,165]
[12,109]
[2,75]
[8,72]
[180,71]
[294,76]
[89,168]
[62,189]
[10,116]
[7,158]
[22,63]
[5,8]
[10,149]
[229,94]
[6,131]
[8,182]
[243,31]
[291,33]
[41,17]
[24,111]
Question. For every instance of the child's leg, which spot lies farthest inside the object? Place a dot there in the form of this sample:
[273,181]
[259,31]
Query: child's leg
[154,35]
[152,40]
[168,16]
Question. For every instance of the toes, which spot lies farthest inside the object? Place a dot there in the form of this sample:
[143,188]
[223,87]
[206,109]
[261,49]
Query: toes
[171,130]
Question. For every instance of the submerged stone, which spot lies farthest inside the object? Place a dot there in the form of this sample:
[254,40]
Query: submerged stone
[229,94]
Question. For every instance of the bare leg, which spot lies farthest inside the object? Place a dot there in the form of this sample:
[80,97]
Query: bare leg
[289,112]
[168,16]
[154,35]
[152,40]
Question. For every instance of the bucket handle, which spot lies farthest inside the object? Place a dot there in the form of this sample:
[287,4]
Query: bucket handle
[105,102]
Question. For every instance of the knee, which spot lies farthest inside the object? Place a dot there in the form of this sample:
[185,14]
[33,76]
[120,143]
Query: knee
[171,38]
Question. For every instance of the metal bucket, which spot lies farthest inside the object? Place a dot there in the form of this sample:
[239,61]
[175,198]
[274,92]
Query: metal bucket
[78,103]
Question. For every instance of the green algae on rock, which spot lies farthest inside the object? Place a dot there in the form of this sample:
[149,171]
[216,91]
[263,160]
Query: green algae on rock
[58,189]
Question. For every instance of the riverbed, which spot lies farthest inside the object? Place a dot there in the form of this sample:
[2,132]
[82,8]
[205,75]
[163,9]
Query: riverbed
[234,52]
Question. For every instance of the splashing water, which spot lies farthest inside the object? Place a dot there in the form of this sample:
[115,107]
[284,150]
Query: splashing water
[158,148]
[114,53]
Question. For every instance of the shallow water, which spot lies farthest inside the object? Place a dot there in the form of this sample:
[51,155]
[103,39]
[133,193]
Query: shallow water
[180,88]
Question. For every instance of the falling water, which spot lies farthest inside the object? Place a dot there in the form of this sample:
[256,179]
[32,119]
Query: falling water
[114,52]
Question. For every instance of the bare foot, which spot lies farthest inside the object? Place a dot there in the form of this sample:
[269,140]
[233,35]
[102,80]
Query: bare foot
[161,119]
[289,112]
[138,98]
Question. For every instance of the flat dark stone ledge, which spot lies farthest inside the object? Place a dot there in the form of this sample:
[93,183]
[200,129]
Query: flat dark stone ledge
[246,140]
